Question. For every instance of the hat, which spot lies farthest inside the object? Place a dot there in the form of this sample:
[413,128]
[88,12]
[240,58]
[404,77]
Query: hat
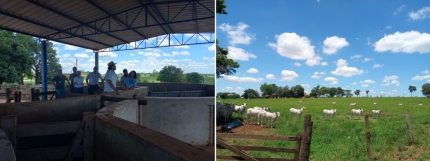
[111,63]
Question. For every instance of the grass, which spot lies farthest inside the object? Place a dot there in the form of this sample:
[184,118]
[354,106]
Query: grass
[343,138]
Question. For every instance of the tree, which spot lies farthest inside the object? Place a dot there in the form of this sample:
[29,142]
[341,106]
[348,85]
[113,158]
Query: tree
[426,89]
[268,89]
[323,91]
[357,92]
[224,65]
[170,74]
[194,77]
[332,91]
[412,89]
[340,92]
[15,57]
[220,6]
[298,90]
[52,61]
[314,91]
[234,95]
[250,93]
[367,92]
[154,73]
[348,93]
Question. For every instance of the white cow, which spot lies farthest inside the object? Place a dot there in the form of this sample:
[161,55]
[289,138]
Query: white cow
[329,112]
[420,105]
[225,110]
[254,112]
[374,103]
[300,101]
[240,110]
[376,112]
[294,111]
[269,116]
[356,112]
[263,108]
[353,104]
[334,103]
[400,104]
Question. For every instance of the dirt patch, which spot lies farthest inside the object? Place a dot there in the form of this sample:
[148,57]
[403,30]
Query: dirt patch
[412,152]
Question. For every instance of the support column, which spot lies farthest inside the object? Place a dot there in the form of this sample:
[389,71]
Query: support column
[96,57]
[44,69]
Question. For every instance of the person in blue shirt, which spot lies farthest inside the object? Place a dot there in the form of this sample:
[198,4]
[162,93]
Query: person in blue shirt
[130,81]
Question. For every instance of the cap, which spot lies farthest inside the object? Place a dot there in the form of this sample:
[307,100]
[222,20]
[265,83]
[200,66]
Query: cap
[111,63]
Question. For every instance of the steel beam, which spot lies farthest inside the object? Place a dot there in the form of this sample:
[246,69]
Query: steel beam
[44,69]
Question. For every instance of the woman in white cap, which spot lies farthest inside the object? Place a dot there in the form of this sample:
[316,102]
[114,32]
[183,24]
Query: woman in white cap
[111,78]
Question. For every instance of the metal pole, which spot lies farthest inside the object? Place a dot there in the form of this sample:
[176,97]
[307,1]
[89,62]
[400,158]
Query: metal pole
[44,69]
[96,57]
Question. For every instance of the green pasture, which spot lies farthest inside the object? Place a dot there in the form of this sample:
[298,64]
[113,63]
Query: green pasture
[344,138]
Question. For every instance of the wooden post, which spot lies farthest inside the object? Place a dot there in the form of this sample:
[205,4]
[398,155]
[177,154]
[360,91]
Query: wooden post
[8,92]
[75,142]
[8,124]
[369,154]
[298,142]
[408,123]
[32,95]
[88,144]
[306,139]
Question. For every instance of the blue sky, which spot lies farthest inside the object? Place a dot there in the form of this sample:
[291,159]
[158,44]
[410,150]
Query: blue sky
[190,58]
[381,46]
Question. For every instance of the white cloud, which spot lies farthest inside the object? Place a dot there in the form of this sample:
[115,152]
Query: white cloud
[316,76]
[66,55]
[391,80]
[322,73]
[70,47]
[367,81]
[186,60]
[324,63]
[239,54]
[332,80]
[252,70]
[212,48]
[420,14]
[388,27]
[153,53]
[237,34]
[81,55]
[355,83]
[356,56]
[182,47]
[270,76]
[235,79]
[108,54]
[426,72]
[88,51]
[175,53]
[421,77]
[367,59]
[407,42]
[365,85]
[293,46]
[333,44]
[131,54]
[345,71]
[305,85]
[399,9]
[297,64]
[288,75]
[377,65]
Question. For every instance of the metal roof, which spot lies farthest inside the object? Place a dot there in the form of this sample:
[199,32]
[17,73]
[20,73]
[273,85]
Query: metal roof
[100,24]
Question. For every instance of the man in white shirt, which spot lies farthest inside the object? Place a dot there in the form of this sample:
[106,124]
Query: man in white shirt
[93,85]
[111,78]
[78,82]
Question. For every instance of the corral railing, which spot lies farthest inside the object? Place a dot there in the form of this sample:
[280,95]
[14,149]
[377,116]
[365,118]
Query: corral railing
[301,150]
[196,93]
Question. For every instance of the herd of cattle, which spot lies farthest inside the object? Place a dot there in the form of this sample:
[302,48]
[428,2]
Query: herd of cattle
[264,113]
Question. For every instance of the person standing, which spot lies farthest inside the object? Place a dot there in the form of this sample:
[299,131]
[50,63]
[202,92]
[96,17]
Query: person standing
[71,77]
[111,78]
[130,82]
[78,82]
[124,76]
[93,85]
[58,82]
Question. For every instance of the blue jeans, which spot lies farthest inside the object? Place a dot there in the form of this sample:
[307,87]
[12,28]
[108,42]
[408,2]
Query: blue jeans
[61,93]
[79,90]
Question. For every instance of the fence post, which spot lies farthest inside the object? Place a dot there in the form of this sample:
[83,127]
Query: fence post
[8,92]
[307,137]
[88,140]
[408,123]
[369,154]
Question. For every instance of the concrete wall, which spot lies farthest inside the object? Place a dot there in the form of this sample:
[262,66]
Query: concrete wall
[163,87]
[66,109]
[127,110]
[6,149]
[117,139]
[185,118]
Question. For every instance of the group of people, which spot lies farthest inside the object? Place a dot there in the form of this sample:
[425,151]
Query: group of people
[76,83]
